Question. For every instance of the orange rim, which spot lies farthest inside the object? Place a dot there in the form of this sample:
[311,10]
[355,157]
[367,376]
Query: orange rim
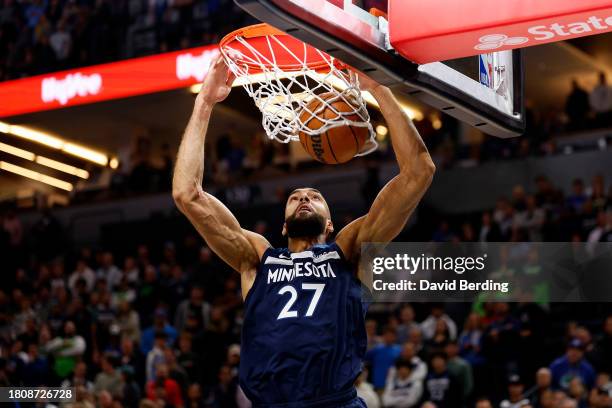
[257,37]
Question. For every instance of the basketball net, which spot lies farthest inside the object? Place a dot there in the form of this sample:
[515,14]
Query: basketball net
[283,96]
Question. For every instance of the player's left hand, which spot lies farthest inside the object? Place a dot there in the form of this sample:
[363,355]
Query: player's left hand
[218,82]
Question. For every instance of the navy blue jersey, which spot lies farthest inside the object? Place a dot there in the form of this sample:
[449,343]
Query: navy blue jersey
[304,334]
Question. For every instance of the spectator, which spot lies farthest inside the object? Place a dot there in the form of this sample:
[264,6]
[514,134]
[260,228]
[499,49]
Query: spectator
[382,357]
[156,355]
[401,391]
[571,365]
[131,394]
[430,324]
[66,349]
[483,403]
[365,390]
[469,340]
[601,101]
[171,392]
[515,399]
[577,106]
[84,272]
[36,370]
[159,324]
[460,369]
[542,385]
[195,398]
[195,307]
[578,197]
[227,388]
[577,392]
[406,323]
[79,378]
[61,42]
[187,358]
[109,271]
[128,321]
[441,387]
[109,379]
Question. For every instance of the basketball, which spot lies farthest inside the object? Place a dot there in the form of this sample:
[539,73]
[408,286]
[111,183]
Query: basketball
[337,145]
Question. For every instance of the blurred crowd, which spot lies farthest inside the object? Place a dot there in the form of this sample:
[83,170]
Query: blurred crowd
[156,322]
[40,36]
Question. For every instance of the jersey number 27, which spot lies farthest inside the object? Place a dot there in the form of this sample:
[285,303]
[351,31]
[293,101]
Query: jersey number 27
[287,312]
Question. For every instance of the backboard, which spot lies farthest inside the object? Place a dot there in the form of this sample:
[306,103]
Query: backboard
[362,41]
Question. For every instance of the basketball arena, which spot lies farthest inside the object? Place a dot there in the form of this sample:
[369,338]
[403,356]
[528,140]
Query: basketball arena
[190,191]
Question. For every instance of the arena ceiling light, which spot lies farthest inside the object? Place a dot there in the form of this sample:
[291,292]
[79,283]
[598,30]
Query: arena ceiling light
[44,161]
[34,175]
[54,142]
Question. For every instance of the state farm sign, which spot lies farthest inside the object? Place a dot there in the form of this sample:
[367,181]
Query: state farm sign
[440,30]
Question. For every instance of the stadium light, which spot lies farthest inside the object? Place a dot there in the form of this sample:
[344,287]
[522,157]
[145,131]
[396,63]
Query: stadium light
[55,143]
[44,161]
[34,175]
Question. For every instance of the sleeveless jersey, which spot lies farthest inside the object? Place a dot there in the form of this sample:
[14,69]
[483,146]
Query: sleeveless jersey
[303,337]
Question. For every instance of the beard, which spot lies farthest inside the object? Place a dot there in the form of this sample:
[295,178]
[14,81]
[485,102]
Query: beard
[309,226]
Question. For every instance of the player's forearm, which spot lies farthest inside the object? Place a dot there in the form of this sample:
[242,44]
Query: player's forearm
[189,167]
[410,150]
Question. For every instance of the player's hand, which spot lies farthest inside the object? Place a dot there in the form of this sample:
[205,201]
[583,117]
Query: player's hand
[218,82]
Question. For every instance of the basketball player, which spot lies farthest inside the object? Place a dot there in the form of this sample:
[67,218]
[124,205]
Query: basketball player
[304,336]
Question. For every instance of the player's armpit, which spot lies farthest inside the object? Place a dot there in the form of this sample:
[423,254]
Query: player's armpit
[387,216]
[239,248]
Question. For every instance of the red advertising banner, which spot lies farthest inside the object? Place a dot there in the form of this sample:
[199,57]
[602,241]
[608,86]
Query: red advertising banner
[97,83]
[438,30]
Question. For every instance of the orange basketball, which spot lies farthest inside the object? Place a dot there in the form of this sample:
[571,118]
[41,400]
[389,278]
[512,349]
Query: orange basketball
[337,145]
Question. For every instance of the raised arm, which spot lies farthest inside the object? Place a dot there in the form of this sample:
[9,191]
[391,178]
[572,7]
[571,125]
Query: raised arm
[398,199]
[240,248]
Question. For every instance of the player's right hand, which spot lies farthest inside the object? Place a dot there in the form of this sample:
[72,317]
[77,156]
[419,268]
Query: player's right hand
[218,82]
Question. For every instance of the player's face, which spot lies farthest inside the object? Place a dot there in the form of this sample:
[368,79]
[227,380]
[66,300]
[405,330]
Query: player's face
[307,208]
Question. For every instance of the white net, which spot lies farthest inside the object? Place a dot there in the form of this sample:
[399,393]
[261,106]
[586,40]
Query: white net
[286,96]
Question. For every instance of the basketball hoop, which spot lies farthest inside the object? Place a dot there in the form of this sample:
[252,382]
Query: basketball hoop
[283,75]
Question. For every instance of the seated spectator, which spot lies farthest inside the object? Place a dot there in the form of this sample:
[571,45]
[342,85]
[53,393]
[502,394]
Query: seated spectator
[79,378]
[577,392]
[128,321]
[131,394]
[515,399]
[382,357]
[194,307]
[601,394]
[460,369]
[109,379]
[195,399]
[469,340]
[543,384]
[131,357]
[109,271]
[429,325]
[371,327]
[35,371]
[156,355]
[441,388]
[419,368]
[578,197]
[400,390]
[170,390]
[572,364]
[365,390]
[406,323]
[82,271]
[160,323]
[226,391]
[483,403]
